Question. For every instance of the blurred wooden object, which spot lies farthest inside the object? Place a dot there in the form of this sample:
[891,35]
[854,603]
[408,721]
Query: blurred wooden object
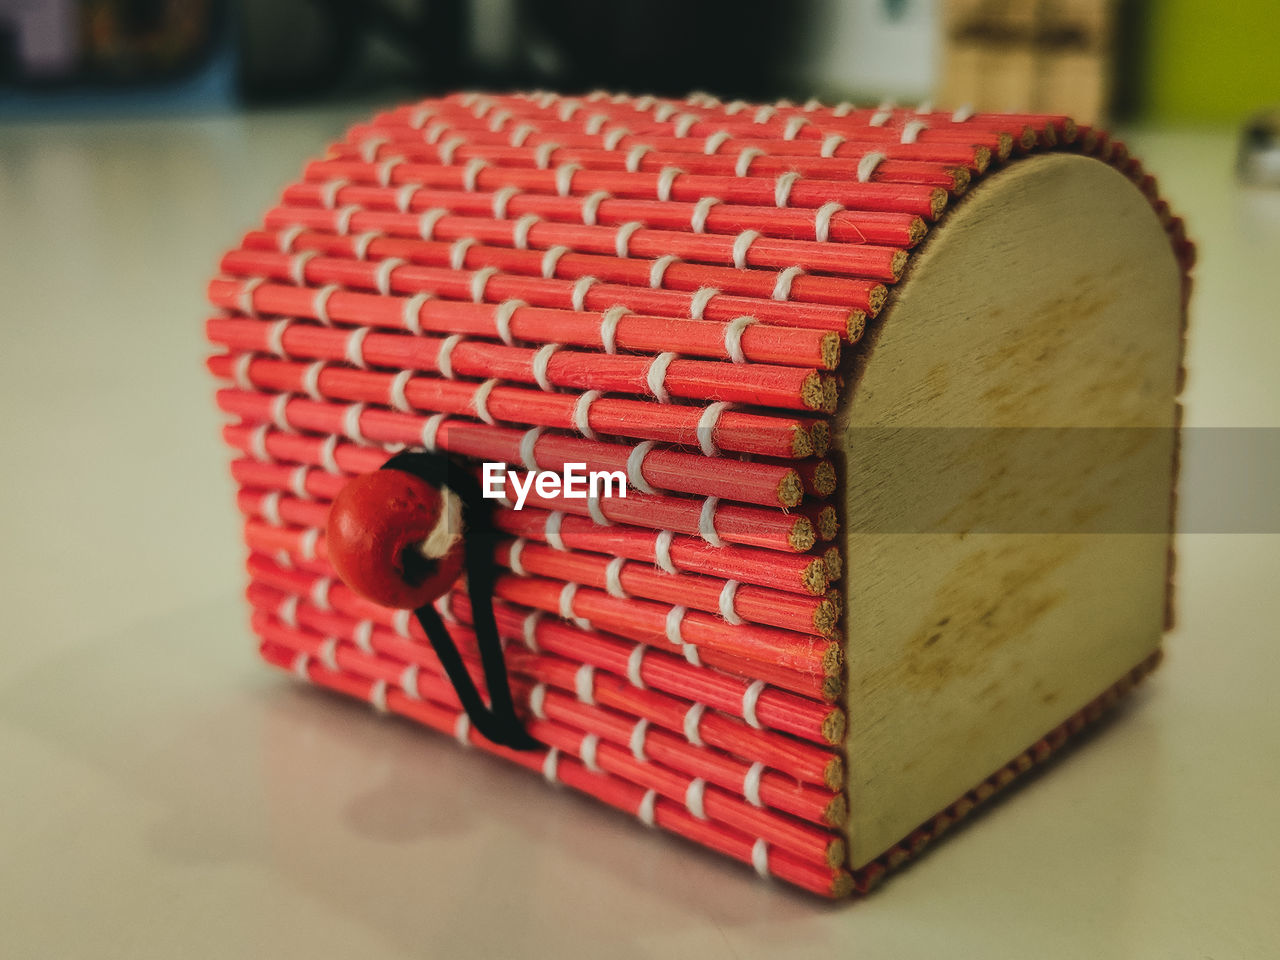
[1029,56]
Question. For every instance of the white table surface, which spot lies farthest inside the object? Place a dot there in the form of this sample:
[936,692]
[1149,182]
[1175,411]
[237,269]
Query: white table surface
[163,794]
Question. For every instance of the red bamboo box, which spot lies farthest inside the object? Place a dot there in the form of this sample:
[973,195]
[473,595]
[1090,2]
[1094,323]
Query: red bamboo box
[881,403]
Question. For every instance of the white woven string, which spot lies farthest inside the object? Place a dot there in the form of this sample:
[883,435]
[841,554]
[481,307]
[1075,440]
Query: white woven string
[707,424]
[431,431]
[609,321]
[750,698]
[911,130]
[666,179]
[743,164]
[521,133]
[582,412]
[538,701]
[528,447]
[298,267]
[742,245]
[501,199]
[541,359]
[396,393]
[695,796]
[471,174]
[362,636]
[782,288]
[515,557]
[645,812]
[385,169]
[351,423]
[659,268]
[275,337]
[302,666]
[591,206]
[354,350]
[245,299]
[691,654]
[597,511]
[360,243]
[728,601]
[551,530]
[635,155]
[692,722]
[579,295]
[502,319]
[674,625]
[584,684]
[378,696]
[287,612]
[698,219]
[479,281]
[480,400]
[279,414]
[613,579]
[867,165]
[622,239]
[427,222]
[550,259]
[614,137]
[707,522]
[733,331]
[564,178]
[320,303]
[529,630]
[462,730]
[342,221]
[328,454]
[567,594]
[830,144]
[542,154]
[656,376]
[445,151]
[270,508]
[698,302]
[444,356]
[286,238]
[636,741]
[782,188]
[409,682]
[298,484]
[635,466]
[550,766]
[258,443]
[588,749]
[458,252]
[794,124]
[520,232]
[329,192]
[822,220]
[307,543]
[662,550]
[240,371]
[715,142]
[760,857]
[411,312]
[962,114]
[635,665]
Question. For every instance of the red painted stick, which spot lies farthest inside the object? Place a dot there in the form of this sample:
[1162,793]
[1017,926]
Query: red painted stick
[598,258]
[784,437]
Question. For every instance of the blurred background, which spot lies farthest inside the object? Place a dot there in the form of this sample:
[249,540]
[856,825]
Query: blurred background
[1159,60]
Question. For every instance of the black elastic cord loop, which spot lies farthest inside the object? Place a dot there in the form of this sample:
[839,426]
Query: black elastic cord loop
[498,721]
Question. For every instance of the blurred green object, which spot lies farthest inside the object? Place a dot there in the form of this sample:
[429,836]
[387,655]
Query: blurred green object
[1210,62]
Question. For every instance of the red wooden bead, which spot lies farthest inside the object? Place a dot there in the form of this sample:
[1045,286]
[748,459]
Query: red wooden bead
[374,521]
